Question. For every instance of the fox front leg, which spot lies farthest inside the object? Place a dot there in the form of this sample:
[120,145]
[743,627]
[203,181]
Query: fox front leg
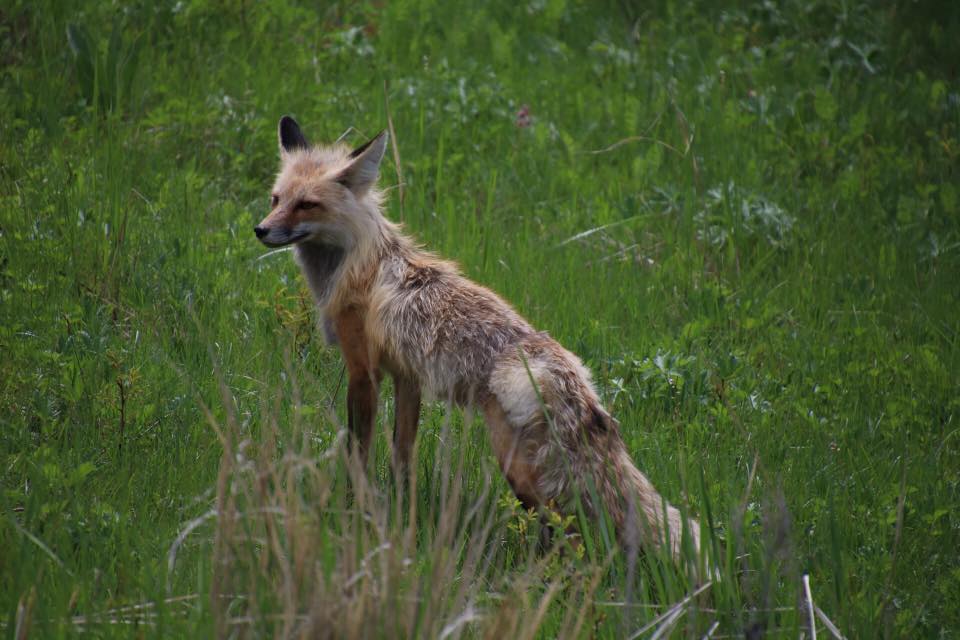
[406,416]
[362,411]
[364,381]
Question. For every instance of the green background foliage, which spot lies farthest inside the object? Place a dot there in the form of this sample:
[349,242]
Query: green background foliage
[743,219]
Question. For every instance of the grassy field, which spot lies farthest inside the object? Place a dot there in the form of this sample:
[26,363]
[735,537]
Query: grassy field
[746,221]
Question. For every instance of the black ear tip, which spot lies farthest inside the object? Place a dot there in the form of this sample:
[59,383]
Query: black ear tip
[366,145]
[289,129]
[291,137]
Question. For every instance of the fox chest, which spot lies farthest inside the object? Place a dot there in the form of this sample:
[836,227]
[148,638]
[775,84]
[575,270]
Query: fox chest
[358,339]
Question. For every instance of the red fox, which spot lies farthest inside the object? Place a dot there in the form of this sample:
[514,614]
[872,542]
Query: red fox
[394,307]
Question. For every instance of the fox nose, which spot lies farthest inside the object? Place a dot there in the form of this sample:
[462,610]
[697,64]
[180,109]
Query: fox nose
[261,231]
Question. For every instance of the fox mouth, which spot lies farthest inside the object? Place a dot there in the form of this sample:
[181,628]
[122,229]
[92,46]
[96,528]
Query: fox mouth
[279,237]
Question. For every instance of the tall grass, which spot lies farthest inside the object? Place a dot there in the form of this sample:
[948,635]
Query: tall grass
[742,218]
[305,545]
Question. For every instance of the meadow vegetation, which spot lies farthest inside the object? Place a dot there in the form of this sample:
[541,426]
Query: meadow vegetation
[743,219]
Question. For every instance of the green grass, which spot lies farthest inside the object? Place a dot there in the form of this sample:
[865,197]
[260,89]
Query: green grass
[762,274]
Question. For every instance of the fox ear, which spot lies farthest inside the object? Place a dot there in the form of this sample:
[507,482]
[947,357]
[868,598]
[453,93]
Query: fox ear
[362,171]
[291,138]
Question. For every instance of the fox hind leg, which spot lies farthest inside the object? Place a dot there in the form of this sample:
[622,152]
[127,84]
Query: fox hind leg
[515,454]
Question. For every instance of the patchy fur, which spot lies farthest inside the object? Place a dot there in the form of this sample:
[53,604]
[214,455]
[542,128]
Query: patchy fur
[397,308]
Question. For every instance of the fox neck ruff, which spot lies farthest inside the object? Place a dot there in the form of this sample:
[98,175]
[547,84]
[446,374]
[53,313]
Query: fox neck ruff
[342,274]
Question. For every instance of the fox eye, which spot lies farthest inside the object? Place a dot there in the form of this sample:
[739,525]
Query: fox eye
[274,199]
[308,205]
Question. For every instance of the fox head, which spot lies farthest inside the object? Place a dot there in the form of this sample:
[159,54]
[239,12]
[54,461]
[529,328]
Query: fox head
[325,195]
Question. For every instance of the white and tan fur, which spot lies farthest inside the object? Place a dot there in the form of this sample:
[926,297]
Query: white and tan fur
[393,307]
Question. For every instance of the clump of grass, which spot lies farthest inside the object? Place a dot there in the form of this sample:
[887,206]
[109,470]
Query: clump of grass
[305,545]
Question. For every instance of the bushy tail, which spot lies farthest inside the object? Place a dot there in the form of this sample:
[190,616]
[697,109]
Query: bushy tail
[643,517]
